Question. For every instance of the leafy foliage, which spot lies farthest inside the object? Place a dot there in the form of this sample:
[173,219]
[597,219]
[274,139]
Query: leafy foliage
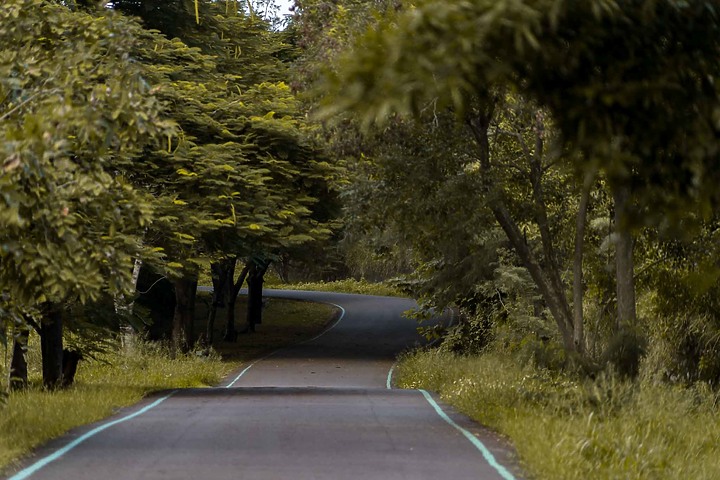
[75,113]
[564,55]
[518,72]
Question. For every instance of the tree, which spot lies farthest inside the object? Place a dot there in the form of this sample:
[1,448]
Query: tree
[75,111]
[241,178]
[603,70]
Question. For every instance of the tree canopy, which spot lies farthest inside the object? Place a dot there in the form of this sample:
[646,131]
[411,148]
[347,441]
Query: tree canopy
[169,139]
[622,93]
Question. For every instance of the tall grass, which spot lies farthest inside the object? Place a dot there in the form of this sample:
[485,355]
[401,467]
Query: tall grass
[564,428]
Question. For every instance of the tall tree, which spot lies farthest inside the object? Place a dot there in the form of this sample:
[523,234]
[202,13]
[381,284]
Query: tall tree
[243,177]
[603,69]
[75,111]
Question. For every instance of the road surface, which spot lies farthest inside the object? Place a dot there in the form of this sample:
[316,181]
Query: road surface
[322,409]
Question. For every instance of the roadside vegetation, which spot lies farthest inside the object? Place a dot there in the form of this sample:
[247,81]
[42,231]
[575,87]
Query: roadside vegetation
[116,379]
[568,427]
[121,375]
[548,170]
[349,285]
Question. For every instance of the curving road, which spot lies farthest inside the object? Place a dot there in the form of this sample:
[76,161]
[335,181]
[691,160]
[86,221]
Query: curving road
[322,409]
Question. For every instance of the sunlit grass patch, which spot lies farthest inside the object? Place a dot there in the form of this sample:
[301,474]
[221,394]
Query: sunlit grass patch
[348,285]
[569,429]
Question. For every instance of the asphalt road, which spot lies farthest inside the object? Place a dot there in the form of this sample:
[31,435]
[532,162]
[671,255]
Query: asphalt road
[319,410]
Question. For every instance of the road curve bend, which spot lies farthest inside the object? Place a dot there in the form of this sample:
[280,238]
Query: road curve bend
[321,409]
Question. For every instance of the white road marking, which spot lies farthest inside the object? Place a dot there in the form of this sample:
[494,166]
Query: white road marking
[342,314]
[486,453]
[388,384]
[27,472]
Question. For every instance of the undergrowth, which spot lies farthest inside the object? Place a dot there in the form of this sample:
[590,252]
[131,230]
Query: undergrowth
[564,428]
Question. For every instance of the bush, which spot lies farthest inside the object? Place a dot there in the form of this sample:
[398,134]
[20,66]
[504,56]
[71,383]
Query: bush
[685,333]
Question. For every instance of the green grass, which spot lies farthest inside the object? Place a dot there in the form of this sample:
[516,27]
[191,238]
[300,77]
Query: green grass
[570,429]
[124,376]
[346,286]
[30,418]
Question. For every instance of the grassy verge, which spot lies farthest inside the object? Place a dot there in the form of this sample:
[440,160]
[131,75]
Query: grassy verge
[345,286]
[123,377]
[567,429]
[284,322]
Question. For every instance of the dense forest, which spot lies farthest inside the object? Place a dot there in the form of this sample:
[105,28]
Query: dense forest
[146,141]
[545,169]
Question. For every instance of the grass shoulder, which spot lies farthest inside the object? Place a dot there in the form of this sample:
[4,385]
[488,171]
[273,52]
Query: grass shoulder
[349,285]
[123,376]
[565,428]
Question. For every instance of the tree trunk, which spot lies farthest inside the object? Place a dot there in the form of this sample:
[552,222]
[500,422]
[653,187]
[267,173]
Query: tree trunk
[551,292]
[18,378]
[283,268]
[122,305]
[578,288]
[69,366]
[230,331]
[556,301]
[624,264]
[552,268]
[51,346]
[183,318]
[255,288]
[220,272]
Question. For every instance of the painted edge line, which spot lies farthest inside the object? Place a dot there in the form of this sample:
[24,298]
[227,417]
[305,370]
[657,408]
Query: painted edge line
[489,457]
[28,471]
[342,314]
[388,384]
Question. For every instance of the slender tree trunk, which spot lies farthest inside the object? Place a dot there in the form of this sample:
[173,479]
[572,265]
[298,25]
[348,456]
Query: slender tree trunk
[18,378]
[554,296]
[122,305]
[578,287]
[230,331]
[551,269]
[255,289]
[284,268]
[183,318]
[624,263]
[220,272]
[51,345]
[556,302]
[137,267]
[69,366]
[541,216]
